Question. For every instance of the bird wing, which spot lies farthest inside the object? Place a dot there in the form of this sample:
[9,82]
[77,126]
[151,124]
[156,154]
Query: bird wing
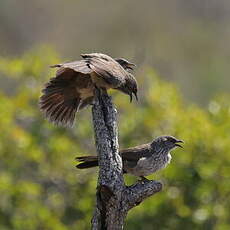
[72,88]
[135,153]
[78,66]
[63,95]
[107,68]
[131,156]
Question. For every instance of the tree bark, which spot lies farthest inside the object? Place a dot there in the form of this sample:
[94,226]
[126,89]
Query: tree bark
[114,199]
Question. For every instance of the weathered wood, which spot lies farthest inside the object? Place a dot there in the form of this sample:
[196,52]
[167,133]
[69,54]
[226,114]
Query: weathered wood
[114,199]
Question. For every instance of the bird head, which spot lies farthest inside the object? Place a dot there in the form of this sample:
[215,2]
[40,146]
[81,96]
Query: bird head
[125,64]
[166,143]
[129,87]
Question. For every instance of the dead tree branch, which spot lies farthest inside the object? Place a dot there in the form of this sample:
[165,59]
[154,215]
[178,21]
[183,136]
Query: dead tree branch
[114,199]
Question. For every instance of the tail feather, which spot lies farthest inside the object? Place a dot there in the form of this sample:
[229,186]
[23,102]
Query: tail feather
[60,101]
[87,162]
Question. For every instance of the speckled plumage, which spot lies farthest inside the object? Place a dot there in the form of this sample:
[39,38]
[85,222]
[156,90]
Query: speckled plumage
[141,160]
[148,165]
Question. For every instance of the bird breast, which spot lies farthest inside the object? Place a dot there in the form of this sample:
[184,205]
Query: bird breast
[146,166]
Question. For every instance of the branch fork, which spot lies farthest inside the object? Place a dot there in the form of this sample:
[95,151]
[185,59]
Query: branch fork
[114,199]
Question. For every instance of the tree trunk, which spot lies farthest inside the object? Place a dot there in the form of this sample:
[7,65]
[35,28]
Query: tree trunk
[114,199]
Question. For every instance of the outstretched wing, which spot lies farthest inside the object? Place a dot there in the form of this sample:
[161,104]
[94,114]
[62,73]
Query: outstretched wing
[77,66]
[60,101]
[68,92]
[107,68]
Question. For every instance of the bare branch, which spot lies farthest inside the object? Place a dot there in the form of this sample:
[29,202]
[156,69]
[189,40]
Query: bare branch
[114,199]
[110,182]
[138,192]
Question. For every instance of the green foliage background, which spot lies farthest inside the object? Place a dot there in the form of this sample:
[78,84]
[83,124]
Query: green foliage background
[41,189]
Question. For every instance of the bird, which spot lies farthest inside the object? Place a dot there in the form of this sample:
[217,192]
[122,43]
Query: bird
[141,160]
[73,87]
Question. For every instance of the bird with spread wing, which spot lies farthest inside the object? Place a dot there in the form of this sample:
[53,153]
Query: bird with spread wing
[74,85]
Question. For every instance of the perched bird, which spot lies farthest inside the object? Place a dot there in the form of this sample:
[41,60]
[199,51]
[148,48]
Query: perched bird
[74,85]
[141,160]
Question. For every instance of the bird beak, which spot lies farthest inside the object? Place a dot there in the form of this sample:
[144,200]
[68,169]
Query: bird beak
[179,141]
[131,97]
[136,96]
[130,65]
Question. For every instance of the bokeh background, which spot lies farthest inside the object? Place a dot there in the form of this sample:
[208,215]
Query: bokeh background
[182,53]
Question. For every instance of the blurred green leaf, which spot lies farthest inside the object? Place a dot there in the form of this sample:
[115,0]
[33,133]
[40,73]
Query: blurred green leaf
[41,188]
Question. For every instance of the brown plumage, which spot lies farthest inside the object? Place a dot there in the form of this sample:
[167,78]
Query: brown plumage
[141,160]
[73,87]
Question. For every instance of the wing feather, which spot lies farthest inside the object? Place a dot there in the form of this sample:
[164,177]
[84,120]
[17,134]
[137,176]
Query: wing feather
[106,67]
[135,153]
[60,101]
[78,66]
